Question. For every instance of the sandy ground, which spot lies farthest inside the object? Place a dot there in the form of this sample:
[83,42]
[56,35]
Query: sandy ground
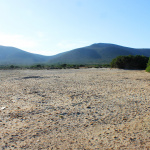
[74,109]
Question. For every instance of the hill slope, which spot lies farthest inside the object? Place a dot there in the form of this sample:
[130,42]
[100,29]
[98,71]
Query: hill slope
[96,53]
[11,55]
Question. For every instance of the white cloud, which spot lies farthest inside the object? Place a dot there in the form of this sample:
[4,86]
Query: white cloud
[18,41]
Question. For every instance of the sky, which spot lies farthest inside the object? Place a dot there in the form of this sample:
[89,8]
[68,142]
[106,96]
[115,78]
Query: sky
[49,27]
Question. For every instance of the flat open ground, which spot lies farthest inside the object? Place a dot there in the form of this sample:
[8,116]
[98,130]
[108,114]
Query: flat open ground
[74,109]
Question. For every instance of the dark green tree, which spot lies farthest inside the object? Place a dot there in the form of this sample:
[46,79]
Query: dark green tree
[130,62]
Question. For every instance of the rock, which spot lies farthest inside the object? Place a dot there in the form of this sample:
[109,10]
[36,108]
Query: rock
[2,108]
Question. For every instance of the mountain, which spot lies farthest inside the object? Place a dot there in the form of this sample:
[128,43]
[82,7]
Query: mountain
[96,53]
[12,55]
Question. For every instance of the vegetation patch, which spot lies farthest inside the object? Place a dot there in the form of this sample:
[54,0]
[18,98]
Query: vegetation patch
[54,66]
[148,66]
[148,69]
[130,62]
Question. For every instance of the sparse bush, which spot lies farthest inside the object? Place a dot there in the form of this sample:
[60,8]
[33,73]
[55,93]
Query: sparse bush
[64,66]
[106,66]
[54,66]
[38,66]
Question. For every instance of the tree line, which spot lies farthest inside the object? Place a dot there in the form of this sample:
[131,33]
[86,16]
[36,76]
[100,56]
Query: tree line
[55,66]
[130,62]
[121,62]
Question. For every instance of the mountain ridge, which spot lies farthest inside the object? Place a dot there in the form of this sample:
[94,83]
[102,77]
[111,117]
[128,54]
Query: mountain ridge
[12,55]
[97,53]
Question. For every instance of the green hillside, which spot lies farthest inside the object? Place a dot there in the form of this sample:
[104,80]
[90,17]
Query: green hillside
[11,55]
[96,53]
[101,53]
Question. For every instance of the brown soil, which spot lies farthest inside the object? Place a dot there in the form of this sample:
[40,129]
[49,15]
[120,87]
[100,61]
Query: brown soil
[74,109]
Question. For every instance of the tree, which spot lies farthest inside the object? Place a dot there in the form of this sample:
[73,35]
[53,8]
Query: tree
[130,62]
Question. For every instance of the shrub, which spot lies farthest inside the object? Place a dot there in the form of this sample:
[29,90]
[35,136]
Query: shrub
[12,67]
[130,62]
[148,69]
[38,66]
[148,66]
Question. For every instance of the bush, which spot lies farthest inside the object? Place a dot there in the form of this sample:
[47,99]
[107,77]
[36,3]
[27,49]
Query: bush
[130,62]
[148,69]
[148,66]
[38,66]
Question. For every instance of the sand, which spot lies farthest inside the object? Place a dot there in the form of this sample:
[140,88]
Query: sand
[74,109]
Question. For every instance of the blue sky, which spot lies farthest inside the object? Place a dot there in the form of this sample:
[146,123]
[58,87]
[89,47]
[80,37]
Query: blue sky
[49,27]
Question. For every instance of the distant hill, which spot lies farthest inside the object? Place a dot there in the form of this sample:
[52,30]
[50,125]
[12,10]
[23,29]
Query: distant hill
[101,53]
[96,53]
[15,56]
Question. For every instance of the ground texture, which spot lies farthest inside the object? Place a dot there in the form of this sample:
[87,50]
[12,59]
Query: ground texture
[74,109]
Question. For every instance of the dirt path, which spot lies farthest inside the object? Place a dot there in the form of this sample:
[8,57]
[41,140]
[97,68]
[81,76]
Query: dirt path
[74,109]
